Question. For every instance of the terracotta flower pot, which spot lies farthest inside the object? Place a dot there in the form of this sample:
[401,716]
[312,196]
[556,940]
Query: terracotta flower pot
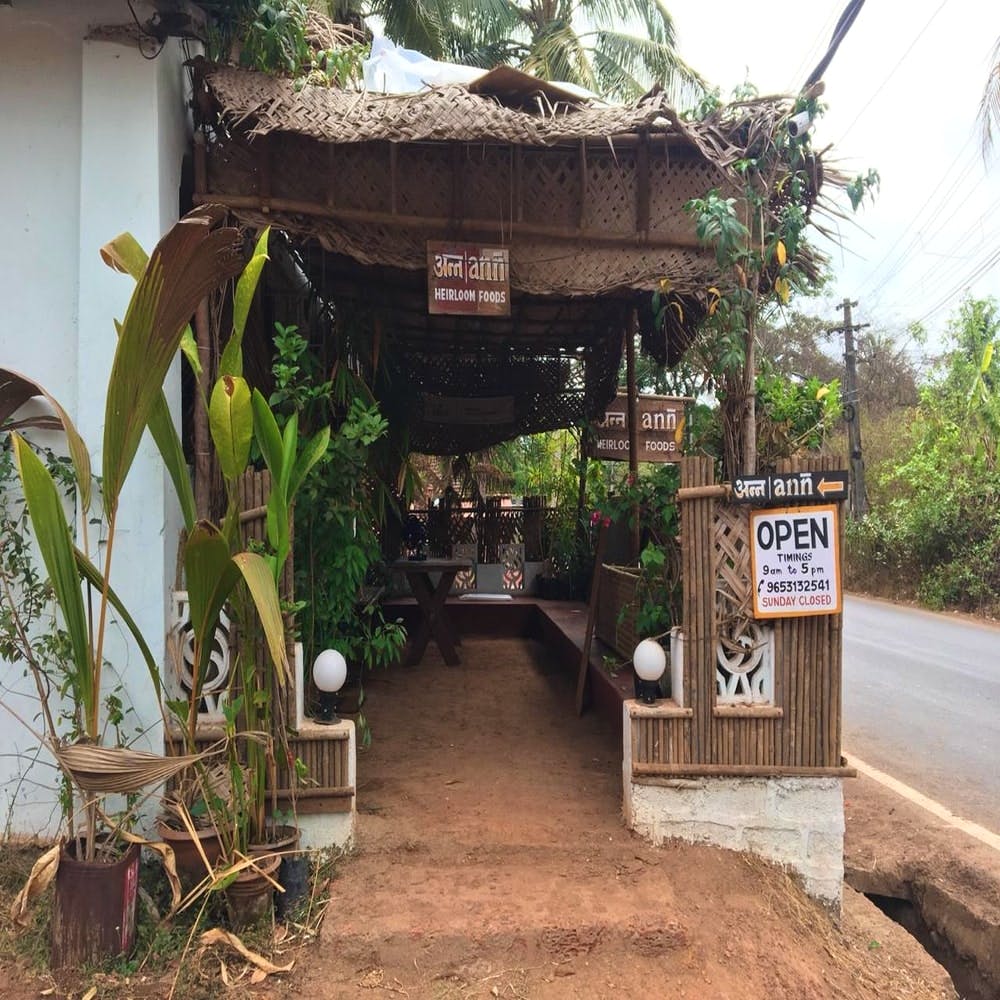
[250,897]
[187,857]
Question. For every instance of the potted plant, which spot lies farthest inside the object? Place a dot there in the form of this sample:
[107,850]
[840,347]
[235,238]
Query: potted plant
[193,258]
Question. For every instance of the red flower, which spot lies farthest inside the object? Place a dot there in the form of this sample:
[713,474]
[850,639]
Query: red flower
[595,517]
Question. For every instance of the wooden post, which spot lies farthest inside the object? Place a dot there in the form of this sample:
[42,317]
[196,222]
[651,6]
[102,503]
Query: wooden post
[202,334]
[588,637]
[202,448]
[633,429]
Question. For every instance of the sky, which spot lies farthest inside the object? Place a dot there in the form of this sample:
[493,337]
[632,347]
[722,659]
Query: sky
[902,95]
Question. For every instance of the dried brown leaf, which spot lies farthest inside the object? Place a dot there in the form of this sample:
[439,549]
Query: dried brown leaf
[43,871]
[218,936]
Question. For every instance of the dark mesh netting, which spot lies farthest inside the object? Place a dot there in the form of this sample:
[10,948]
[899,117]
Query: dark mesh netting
[465,401]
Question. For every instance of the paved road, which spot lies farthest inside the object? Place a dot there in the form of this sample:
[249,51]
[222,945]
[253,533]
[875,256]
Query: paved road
[922,702]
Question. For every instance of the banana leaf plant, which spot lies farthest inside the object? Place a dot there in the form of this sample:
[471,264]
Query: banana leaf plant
[194,258]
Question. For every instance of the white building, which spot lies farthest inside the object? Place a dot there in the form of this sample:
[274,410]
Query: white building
[93,137]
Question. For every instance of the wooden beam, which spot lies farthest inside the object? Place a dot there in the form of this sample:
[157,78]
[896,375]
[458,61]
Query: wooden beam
[393,165]
[719,490]
[487,227]
[633,429]
[264,175]
[588,635]
[747,711]
[667,771]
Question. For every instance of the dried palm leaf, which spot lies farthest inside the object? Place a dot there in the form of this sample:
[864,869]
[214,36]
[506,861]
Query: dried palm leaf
[116,769]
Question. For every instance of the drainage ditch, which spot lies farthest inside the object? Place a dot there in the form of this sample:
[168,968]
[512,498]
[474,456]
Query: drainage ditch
[961,941]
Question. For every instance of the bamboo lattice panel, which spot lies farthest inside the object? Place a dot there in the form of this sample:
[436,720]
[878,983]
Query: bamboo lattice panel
[732,560]
[800,730]
[617,608]
[379,205]
[327,786]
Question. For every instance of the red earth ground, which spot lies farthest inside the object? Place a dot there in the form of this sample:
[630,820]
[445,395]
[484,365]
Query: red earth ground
[491,861]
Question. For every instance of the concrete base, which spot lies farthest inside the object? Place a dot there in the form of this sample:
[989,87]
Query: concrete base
[797,823]
[327,830]
[318,831]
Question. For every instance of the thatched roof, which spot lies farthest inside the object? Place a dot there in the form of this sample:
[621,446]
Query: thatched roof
[482,112]
[588,199]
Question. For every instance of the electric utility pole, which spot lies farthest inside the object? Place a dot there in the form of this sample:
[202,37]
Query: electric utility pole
[858,502]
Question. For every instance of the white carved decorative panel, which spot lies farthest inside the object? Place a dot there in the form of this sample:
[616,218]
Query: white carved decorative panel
[465,580]
[512,560]
[180,677]
[744,669]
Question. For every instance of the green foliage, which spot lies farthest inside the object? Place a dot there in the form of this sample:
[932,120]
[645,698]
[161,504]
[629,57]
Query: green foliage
[630,47]
[793,416]
[336,510]
[652,497]
[759,241]
[275,37]
[862,186]
[934,529]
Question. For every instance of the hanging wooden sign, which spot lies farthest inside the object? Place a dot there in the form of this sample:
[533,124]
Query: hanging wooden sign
[660,433]
[467,279]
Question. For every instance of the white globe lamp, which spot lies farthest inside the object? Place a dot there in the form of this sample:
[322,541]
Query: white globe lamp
[649,661]
[329,675]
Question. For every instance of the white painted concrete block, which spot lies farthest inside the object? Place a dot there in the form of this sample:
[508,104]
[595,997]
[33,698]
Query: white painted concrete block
[794,822]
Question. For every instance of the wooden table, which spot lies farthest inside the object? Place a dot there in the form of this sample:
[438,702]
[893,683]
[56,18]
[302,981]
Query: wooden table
[434,622]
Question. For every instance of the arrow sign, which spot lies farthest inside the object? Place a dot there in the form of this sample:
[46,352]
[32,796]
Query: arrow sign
[833,488]
[797,486]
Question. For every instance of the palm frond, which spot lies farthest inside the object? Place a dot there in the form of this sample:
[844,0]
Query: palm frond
[637,63]
[558,54]
[989,107]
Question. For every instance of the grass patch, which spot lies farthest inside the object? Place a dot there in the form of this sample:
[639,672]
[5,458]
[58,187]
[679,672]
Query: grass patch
[169,958]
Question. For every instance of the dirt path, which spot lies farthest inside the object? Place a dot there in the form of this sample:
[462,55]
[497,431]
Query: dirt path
[492,861]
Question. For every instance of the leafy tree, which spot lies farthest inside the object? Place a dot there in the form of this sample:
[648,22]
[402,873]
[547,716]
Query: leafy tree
[633,47]
[935,525]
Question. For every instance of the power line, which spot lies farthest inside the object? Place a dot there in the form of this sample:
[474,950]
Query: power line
[978,271]
[814,49]
[892,72]
[916,217]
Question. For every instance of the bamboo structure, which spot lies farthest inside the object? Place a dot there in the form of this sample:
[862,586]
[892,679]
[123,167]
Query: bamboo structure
[797,731]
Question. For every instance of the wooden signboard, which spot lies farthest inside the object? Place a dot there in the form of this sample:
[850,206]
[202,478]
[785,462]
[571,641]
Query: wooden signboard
[795,561]
[660,432]
[467,279]
[786,487]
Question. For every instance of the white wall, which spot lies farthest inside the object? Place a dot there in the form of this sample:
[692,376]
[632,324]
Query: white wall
[92,137]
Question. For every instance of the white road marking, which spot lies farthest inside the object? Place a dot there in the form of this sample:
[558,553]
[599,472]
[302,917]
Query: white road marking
[917,798]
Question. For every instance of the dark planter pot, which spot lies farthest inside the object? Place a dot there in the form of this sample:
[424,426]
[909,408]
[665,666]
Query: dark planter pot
[293,872]
[250,897]
[187,857]
[294,878]
[93,918]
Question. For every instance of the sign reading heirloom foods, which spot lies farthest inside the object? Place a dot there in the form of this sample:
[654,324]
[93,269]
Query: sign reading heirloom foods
[468,279]
[660,433]
[795,561]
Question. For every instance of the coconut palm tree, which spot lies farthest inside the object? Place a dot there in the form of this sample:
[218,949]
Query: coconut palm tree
[616,48]
[989,108]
